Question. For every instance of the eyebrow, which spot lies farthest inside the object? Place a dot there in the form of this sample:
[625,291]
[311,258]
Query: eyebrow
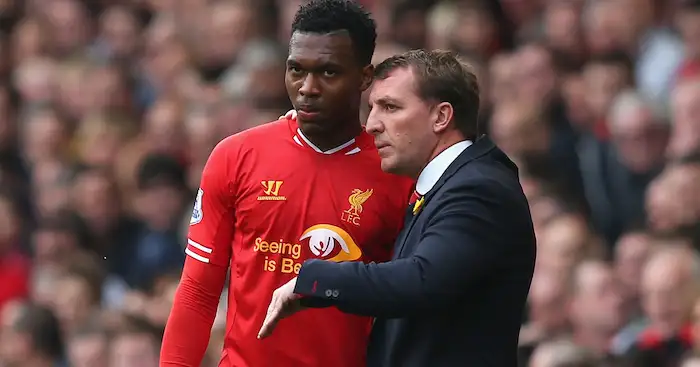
[322,66]
[384,100]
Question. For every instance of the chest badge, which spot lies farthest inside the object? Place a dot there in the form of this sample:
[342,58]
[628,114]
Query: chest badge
[356,199]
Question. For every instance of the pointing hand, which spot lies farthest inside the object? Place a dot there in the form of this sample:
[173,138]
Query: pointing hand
[284,303]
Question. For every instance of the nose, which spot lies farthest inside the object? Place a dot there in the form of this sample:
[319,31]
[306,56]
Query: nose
[374,125]
[309,86]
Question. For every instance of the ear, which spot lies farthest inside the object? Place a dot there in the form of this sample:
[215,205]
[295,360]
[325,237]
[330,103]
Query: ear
[367,77]
[443,113]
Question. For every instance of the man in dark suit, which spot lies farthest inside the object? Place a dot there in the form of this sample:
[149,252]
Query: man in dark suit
[454,293]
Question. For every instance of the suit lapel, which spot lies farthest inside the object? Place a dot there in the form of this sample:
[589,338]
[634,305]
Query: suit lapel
[482,146]
[408,217]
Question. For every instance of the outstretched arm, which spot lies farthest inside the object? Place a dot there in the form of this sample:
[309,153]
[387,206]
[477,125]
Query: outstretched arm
[460,244]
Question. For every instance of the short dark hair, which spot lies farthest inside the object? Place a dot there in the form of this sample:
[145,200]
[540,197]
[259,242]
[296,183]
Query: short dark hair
[615,58]
[134,324]
[404,8]
[442,77]
[161,169]
[326,16]
[67,221]
[690,5]
[86,170]
[43,328]
[87,267]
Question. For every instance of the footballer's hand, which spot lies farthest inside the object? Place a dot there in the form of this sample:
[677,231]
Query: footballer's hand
[290,115]
[284,303]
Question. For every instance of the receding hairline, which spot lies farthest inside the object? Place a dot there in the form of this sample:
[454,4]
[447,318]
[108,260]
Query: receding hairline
[412,71]
[413,59]
[630,101]
[679,258]
[441,76]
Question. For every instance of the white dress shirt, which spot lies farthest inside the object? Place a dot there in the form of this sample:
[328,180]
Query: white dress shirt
[430,175]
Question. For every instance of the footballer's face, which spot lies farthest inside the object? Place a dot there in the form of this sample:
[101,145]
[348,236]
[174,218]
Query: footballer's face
[324,80]
[402,123]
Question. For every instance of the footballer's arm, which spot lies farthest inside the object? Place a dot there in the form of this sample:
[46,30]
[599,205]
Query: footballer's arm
[209,251]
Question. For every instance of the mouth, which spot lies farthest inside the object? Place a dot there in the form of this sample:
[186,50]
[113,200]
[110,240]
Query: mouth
[306,115]
[381,146]
[308,112]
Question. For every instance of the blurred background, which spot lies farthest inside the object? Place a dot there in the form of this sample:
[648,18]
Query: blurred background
[109,109]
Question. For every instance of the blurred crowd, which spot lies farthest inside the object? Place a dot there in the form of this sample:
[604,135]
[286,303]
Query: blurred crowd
[109,109]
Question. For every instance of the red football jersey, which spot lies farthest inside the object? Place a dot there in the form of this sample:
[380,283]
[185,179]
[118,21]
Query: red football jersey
[268,201]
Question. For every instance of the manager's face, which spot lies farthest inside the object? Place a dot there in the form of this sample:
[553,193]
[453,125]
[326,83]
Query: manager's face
[402,123]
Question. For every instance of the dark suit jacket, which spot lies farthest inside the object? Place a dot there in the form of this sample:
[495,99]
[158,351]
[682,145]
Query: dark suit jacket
[455,292]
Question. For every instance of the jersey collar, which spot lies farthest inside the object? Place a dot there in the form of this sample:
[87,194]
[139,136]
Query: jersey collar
[353,146]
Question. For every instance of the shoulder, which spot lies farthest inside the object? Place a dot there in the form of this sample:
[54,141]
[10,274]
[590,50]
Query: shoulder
[276,127]
[263,131]
[252,137]
[15,263]
[489,187]
[663,42]
[650,338]
[627,337]
[666,39]
[488,175]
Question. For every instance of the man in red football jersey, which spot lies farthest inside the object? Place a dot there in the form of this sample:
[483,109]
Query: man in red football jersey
[276,195]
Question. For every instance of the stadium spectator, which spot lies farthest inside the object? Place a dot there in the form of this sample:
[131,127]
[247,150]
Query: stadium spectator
[692,360]
[562,353]
[14,267]
[596,307]
[135,344]
[669,287]
[88,347]
[31,336]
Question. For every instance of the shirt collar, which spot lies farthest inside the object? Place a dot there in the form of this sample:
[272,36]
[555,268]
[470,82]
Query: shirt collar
[438,165]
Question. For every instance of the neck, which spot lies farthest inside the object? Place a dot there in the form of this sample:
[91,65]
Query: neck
[597,341]
[39,361]
[336,137]
[443,143]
